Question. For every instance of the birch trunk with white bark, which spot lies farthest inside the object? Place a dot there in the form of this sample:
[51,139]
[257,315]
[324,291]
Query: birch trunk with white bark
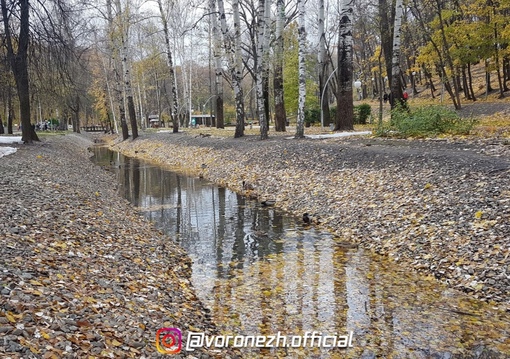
[323,68]
[171,72]
[117,76]
[260,70]
[300,127]
[280,118]
[237,72]
[345,105]
[218,83]
[396,85]
[123,23]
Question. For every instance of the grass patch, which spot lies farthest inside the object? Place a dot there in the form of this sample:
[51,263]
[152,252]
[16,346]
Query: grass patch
[426,121]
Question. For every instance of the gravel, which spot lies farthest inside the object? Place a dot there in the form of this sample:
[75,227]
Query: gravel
[81,272]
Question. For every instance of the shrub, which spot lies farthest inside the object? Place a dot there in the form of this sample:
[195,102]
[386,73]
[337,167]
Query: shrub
[426,121]
[362,113]
[312,115]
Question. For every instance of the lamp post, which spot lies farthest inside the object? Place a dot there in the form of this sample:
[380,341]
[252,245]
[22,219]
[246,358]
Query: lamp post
[322,97]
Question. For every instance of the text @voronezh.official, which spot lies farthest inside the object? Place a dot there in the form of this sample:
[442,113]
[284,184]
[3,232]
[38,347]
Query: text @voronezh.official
[169,341]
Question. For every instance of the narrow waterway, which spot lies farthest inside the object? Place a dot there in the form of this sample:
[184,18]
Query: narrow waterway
[261,272]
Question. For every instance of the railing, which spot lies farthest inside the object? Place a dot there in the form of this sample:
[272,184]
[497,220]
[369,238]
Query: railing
[93,128]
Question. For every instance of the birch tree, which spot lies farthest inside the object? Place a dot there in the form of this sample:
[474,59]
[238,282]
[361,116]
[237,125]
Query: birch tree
[170,68]
[279,104]
[323,65]
[233,50]
[118,88]
[123,24]
[300,128]
[237,74]
[262,18]
[218,88]
[345,105]
[396,85]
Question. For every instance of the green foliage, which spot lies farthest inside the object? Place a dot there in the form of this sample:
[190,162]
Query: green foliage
[362,113]
[312,115]
[291,75]
[425,122]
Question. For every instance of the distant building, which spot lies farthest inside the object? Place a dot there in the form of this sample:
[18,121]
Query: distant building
[154,121]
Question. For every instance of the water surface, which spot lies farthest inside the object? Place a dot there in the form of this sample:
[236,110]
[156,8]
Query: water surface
[261,272]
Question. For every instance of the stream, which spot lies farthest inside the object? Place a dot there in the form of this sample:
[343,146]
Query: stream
[263,272]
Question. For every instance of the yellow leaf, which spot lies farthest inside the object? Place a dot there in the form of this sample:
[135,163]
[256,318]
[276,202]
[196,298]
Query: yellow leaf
[45,335]
[478,214]
[116,343]
[34,282]
[427,186]
[10,317]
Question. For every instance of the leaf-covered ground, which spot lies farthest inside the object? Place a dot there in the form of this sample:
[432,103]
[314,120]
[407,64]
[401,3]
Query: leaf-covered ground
[82,275]
[441,207]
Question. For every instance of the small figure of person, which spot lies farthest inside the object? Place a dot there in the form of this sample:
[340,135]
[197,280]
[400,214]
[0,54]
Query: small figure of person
[385,97]
[405,95]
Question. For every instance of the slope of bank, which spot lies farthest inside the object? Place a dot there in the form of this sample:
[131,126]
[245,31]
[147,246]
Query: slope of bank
[440,207]
[82,274]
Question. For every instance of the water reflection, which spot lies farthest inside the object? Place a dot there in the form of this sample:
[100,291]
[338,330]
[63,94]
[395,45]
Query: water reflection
[262,273]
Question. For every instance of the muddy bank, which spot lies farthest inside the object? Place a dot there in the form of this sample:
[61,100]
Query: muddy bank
[440,207]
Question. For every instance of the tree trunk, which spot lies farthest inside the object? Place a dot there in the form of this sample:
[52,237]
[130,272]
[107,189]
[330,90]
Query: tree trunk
[76,115]
[19,65]
[465,85]
[261,26]
[323,69]
[126,75]
[171,71]
[280,115]
[506,72]
[10,111]
[233,50]
[344,101]
[128,90]
[237,72]
[218,84]
[396,84]
[498,67]
[300,131]
[386,35]
[470,82]
[454,93]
